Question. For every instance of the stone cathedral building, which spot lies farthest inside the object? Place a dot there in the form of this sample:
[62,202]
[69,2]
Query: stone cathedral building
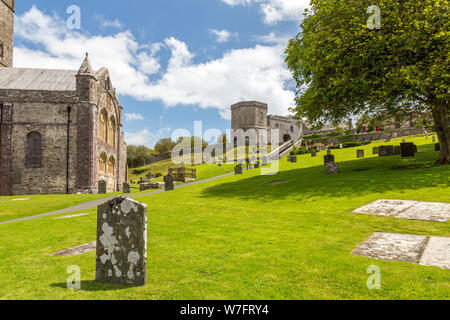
[61,130]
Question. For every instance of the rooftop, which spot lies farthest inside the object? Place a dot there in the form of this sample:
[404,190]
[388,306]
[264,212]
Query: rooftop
[37,79]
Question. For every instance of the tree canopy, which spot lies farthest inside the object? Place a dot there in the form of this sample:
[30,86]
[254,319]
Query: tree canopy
[342,68]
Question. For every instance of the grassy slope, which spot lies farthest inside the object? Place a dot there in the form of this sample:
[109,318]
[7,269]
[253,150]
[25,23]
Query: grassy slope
[238,238]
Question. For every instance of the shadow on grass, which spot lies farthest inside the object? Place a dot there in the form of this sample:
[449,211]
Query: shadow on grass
[91,285]
[356,178]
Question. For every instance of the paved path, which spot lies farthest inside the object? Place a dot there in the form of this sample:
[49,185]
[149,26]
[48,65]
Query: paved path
[97,202]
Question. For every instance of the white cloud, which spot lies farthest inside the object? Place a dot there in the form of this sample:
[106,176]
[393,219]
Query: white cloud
[275,10]
[145,137]
[223,36]
[257,73]
[133,116]
[109,23]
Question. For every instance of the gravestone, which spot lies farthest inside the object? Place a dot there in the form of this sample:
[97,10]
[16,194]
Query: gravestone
[292,159]
[384,151]
[332,167]
[126,187]
[360,153]
[341,146]
[375,150]
[238,169]
[122,242]
[397,150]
[434,139]
[328,158]
[168,183]
[408,150]
[313,153]
[102,187]
[437,147]
[148,186]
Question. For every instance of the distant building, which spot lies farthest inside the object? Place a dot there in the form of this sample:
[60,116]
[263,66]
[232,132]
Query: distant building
[61,130]
[254,115]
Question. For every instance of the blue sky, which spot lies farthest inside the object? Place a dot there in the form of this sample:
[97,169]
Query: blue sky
[173,62]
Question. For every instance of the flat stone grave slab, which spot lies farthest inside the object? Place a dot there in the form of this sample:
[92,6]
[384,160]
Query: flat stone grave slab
[278,182]
[429,211]
[437,253]
[407,209]
[72,216]
[392,247]
[386,207]
[77,250]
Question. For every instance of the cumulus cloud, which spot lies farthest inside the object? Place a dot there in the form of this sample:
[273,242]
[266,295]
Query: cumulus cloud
[275,11]
[222,36]
[133,116]
[145,137]
[256,73]
[109,23]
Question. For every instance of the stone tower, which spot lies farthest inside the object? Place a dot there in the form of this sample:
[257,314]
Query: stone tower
[249,115]
[6,32]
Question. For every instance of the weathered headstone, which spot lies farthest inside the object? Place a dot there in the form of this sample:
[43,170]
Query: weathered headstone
[313,153]
[328,158]
[238,169]
[332,167]
[360,153]
[408,150]
[375,150]
[384,151]
[434,139]
[122,242]
[397,150]
[292,158]
[341,146]
[148,186]
[437,147]
[168,182]
[126,187]
[102,187]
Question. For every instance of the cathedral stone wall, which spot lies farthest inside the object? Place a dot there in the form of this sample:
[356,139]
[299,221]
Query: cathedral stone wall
[6,32]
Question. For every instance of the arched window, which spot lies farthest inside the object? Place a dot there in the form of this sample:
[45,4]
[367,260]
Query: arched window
[103,127]
[34,150]
[102,163]
[112,132]
[111,166]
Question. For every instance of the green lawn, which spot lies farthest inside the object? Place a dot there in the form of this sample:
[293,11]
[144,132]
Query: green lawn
[238,238]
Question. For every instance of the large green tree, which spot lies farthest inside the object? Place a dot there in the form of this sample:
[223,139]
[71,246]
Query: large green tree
[342,68]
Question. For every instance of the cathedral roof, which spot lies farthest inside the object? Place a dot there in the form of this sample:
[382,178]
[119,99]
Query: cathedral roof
[37,79]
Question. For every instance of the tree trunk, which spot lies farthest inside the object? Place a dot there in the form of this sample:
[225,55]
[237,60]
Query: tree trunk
[441,120]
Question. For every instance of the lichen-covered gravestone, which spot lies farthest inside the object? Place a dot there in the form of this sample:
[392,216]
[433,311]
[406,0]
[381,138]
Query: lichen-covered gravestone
[122,242]
[332,168]
[397,150]
[238,169]
[313,153]
[360,153]
[126,187]
[168,182]
[102,187]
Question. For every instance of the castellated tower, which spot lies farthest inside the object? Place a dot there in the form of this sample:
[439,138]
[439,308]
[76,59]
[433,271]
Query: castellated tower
[6,33]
